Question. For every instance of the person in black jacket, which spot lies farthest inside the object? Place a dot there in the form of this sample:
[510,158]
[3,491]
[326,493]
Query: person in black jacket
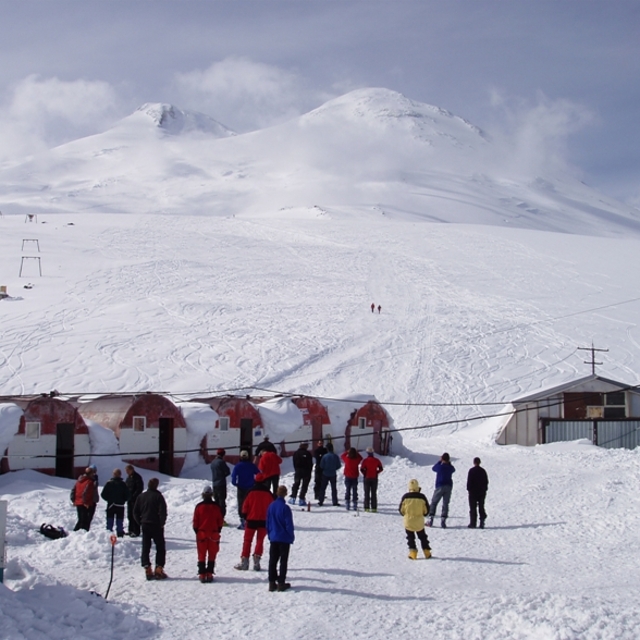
[136,487]
[318,452]
[150,511]
[302,468]
[116,494]
[477,486]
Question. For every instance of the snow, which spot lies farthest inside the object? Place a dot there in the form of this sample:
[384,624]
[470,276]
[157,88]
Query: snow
[194,267]
[9,423]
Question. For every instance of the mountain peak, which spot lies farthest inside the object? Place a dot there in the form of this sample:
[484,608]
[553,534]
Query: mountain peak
[177,121]
[388,106]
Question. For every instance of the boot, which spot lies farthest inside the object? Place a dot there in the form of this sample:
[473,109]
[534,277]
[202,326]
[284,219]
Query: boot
[283,586]
[427,553]
[243,565]
[443,523]
[148,572]
[302,502]
[413,554]
[348,504]
[273,586]
[256,562]
[482,524]
[201,572]
[291,501]
[429,521]
[210,571]
[160,574]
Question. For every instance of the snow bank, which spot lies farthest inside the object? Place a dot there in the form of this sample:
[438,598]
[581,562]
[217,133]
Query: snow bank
[9,424]
[280,417]
[201,421]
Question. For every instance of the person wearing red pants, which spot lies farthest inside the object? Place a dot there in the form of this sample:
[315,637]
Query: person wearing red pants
[207,524]
[254,511]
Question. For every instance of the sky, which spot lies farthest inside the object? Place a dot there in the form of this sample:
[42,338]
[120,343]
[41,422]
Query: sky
[565,70]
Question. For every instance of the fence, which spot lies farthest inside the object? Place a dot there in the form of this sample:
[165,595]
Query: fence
[610,434]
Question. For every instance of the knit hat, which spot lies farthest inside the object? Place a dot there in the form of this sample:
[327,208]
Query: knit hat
[221,452]
[244,454]
[414,487]
[207,491]
[369,449]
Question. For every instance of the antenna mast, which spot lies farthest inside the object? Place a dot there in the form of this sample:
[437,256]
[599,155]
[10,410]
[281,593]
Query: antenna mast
[593,362]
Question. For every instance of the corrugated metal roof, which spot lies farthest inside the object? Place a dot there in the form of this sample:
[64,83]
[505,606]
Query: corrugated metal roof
[561,388]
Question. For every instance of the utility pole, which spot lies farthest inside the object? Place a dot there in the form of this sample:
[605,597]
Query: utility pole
[593,362]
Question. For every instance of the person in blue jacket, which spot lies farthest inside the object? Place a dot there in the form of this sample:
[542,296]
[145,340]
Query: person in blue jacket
[281,536]
[330,463]
[243,477]
[444,486]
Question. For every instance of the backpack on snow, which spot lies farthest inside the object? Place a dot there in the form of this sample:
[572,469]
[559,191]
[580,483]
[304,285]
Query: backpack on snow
[49,531]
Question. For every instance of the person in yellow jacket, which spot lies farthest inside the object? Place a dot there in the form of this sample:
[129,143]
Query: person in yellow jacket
[414,506]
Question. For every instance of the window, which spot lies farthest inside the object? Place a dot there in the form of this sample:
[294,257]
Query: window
[32,431]
[362,423]
[614,399]
[224,424]
[614,405]
[139,423]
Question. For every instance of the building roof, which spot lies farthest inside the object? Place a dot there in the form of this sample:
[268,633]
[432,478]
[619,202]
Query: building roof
[567,386]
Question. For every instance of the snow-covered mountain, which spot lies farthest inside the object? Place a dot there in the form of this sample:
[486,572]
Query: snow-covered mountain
[372,150]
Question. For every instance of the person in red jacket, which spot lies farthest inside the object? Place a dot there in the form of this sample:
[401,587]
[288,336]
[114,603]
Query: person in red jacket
[84,496]
[269,466]
[254,511]
[207,525]
[351,460]
[371,468]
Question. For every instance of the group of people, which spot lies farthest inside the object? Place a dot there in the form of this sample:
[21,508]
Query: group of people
[117,493]
[259,497]
[262,508]
[415,507]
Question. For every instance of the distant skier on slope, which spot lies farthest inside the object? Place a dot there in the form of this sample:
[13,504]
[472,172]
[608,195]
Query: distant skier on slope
[373,307]
[414,506]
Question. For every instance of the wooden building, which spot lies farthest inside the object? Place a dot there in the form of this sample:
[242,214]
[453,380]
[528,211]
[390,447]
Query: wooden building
[604,411]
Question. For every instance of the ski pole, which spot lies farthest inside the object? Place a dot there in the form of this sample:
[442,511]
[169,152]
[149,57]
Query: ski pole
[113,540]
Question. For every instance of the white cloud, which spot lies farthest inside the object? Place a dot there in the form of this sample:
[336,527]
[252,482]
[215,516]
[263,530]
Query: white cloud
[39,113]
[246,95]
[534,136]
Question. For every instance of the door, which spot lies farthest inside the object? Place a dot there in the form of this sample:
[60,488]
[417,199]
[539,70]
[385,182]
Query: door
[64,450]
[246,435]
[165,441]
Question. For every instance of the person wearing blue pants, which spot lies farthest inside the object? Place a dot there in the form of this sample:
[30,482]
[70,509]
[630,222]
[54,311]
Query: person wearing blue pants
[444,486]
